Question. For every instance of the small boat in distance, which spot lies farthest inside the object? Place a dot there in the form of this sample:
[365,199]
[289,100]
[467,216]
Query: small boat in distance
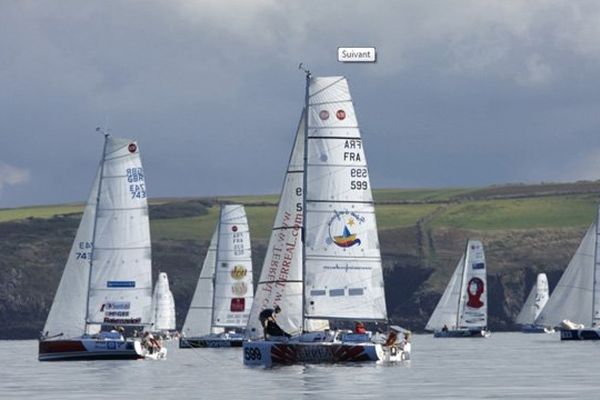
[106,286]
[462,309]
[535,303]
[163,308]
[219,310]
[323,260]
[574,305]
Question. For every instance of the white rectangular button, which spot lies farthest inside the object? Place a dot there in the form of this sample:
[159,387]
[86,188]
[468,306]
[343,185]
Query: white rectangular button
[357,54]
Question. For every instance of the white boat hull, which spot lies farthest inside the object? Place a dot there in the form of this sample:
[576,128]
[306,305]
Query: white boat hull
[269,353]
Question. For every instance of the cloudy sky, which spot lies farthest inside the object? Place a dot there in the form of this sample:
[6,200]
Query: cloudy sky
[464,93]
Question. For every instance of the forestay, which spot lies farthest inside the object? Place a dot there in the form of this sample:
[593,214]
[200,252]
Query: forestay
[67,314]
[573,296]
[199,317]
[343,276]
[233,291]
[121,272]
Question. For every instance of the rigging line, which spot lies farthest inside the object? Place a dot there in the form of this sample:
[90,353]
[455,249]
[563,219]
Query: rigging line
[325,88]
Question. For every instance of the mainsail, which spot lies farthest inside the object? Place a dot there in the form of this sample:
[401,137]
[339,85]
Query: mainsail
[67,314]
[163,313]
[573,296]
[120,291]
[536,301]
[199,317]
[342,263]
[233,289]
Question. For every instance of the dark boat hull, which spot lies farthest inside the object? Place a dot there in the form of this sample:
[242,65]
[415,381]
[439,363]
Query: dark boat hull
[463,333]
[580,334]
[87,349]
[199,343]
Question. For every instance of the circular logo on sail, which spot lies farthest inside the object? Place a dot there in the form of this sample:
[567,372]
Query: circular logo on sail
[475,289]
[340,114]
[239,288]
[132,147]
[324,115]
[239,272]
[234,228]
[344,228]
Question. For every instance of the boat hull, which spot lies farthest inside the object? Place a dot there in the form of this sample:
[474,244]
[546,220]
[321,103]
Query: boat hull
[580,334]
[88,349]
[269,353]
[463,333]
[200,342]
[535,329]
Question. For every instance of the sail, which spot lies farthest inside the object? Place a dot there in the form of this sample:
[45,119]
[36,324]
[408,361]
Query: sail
[163,316]
[445,313]
[198,320]
[280,282]
[572,297]
[67,313]
[343,276]
[121,271]
[473,305]
[596,288]
[527,315]
[233,289]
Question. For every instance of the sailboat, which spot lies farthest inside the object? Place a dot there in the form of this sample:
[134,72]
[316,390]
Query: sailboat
[224,293]
[574,305]
[107,280]
[323,261]
[462,309]
[535,303]
[163,307]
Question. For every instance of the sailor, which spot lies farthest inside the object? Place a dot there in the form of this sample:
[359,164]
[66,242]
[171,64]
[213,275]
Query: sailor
[405,343]
[392,338]
[445,328]
[150,342]
[359,328]
[269,324]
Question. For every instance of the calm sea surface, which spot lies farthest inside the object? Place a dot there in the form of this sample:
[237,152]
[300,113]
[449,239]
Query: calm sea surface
[507,365]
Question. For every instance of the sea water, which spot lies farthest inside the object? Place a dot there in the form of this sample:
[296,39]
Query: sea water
[504,366]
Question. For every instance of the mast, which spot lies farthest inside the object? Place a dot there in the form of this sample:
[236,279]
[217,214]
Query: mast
[595,271]
[304,187]
[87,302]
[462,283]
[214,278]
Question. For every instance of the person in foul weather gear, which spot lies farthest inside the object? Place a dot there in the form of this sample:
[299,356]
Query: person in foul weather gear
[268,321]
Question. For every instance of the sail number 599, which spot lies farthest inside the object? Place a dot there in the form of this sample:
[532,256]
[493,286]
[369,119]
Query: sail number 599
[358,184]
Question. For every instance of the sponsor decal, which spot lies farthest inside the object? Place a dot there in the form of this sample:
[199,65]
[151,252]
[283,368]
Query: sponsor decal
[340,114]
[475,289]
[324,115]
[479,265]
[237,305]
[239,288]
[343,227]
[239,272]
[120,284]
[234,228]
[116,305]
[132,147]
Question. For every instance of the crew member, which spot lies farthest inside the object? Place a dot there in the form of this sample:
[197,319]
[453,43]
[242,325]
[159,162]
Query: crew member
[268,321]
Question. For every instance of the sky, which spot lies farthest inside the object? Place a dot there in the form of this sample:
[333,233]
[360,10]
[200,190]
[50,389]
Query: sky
[464,93]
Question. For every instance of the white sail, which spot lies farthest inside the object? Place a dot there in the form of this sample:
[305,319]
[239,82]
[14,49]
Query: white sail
[446,311]
[198,321]
[233,289]
[473,306]
[572,298]
[343,276]
[121,272]
[536,301]
[163,316]
[67,314]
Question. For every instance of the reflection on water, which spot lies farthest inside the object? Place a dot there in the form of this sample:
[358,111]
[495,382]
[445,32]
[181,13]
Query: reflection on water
[507,365]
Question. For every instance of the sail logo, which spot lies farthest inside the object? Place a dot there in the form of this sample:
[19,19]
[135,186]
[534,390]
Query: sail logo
[132,148]
[239,272]
[343,228]
[475,289]
[239,288]
[237,305]
[324,115]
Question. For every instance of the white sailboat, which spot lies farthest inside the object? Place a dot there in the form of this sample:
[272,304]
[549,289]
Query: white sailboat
[462,309]
[107,280]
[163,307]
[224,293]
[535,303]
[323,260]
[574,305]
